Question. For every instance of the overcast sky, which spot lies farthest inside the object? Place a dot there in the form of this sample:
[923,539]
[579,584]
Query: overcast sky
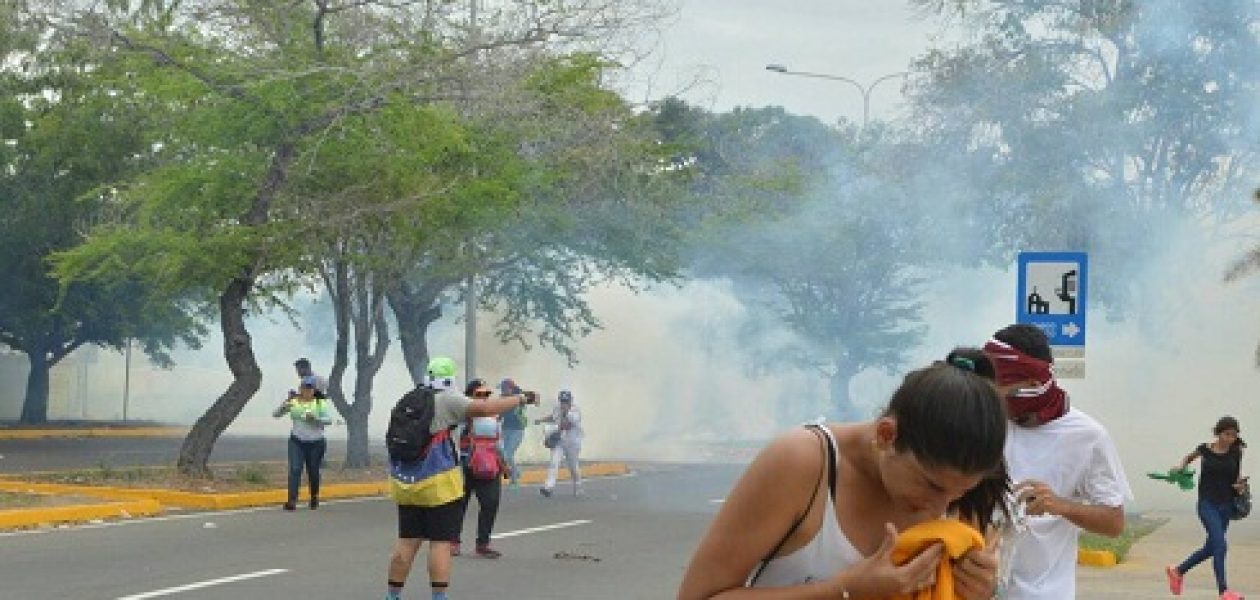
[728,43]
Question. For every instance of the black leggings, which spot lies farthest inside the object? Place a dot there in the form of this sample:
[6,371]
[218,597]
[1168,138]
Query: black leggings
[488,492]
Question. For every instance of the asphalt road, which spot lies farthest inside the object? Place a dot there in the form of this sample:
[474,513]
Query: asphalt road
[629,537]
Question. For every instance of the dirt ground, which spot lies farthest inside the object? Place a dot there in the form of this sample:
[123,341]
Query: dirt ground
[18,500]
[228,478]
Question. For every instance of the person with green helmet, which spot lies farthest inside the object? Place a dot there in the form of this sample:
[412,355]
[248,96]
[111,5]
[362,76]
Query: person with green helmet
[440,525]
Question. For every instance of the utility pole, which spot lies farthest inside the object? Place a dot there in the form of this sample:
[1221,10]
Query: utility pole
[126,379]
[864,90]
[470,327]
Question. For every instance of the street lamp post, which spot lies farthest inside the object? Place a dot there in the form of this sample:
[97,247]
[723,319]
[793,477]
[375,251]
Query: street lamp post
[865,90]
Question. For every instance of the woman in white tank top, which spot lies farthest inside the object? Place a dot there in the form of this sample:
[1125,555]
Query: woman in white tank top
[816,514]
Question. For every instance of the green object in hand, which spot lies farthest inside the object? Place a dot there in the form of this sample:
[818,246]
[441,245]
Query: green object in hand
[1184,478]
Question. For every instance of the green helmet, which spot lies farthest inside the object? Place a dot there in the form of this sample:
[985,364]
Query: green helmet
[441,367]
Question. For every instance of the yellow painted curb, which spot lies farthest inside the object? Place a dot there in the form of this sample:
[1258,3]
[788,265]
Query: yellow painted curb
[34,434]
[30,517]
[1096,558]
[606,469]
[205,501]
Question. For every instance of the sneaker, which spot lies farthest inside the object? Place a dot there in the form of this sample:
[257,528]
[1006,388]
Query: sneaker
[454,548]
[578,491]
[290,506]
[314,503]
[392,596]
[1231,595]
[1174,580]
[545,492]
[485,551]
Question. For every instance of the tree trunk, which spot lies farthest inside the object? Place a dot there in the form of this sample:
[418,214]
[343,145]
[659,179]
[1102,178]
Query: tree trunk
[842,408]
[238,349]
[335,280]
[371,342]
[35,406]
[357,454]
[359,312]
[415,311]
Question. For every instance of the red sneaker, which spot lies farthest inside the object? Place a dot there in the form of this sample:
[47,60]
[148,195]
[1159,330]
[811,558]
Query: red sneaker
[454,548]
[485,551]
[1231,595]
[1174,580]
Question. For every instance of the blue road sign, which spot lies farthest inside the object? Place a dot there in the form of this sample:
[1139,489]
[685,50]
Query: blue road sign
[1051,294]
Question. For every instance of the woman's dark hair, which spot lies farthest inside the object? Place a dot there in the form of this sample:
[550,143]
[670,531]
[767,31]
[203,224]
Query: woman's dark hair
[1227,423]
[473,385]
[949,416]
[1029,339]
[972,359]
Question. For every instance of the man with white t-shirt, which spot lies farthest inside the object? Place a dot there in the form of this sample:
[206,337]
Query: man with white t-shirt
[1064,466]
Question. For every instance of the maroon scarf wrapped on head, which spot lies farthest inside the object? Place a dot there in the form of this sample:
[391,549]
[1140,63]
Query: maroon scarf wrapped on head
[1047,401]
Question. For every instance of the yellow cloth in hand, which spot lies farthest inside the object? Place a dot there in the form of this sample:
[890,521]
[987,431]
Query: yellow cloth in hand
[957,538]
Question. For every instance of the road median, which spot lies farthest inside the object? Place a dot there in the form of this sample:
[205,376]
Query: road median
[145,501]
[92,432]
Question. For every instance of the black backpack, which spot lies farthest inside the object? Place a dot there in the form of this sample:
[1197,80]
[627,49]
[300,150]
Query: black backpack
[408,434]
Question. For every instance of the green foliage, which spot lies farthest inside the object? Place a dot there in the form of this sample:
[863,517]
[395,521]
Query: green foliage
[815,236]
[1098,126]
[254,474]
[67,135]
[1136,527]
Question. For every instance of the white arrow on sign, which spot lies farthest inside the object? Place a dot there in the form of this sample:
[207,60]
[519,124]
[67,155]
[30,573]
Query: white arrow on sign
[1071,330]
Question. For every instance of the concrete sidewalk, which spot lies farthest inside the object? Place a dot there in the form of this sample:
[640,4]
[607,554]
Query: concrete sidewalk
[1141,575]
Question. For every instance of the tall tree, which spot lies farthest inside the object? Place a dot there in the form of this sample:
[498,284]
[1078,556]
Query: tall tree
[1101,125]
[252,89]
[67,134]
[568,197]
[815,234]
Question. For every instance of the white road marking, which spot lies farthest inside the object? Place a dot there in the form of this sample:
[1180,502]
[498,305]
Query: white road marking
[717,501]
[204,584]
[508,534]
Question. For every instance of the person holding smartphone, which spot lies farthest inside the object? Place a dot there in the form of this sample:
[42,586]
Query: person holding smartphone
[308,410]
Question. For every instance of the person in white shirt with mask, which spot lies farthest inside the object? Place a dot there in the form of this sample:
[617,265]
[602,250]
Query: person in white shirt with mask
[1064,465]
[567,419]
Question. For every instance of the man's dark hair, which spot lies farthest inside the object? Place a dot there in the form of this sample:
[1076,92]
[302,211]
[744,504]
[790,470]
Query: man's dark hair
[1029,339]
[303,366]
[473,386]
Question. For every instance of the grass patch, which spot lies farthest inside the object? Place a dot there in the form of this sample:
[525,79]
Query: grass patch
[224,478]
[1135,528]
[11,500]
[20,500]
[255,474]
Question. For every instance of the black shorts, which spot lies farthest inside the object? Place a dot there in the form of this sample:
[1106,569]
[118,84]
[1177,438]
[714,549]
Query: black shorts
[437,523]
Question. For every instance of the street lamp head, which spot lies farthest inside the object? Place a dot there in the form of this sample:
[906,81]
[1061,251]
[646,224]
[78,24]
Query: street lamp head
[777,68]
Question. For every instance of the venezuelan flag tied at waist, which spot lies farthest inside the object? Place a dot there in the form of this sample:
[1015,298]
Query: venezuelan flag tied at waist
[434,480]
[956,537]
